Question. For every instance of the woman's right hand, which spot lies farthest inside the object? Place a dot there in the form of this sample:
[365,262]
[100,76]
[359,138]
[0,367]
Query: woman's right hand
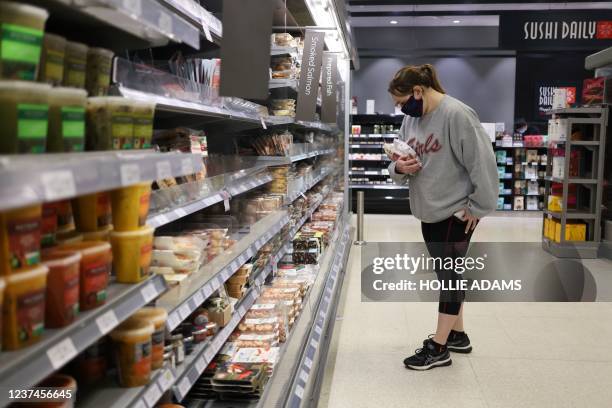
[407,165]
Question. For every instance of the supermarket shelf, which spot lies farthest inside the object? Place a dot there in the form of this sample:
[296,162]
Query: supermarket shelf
[294,194]
[157,220]
[307,340]
[522,178]
[571,215]
[24,368]
[366,146]
[571,249]
[276,50]
[284,83]
[280,160]
[579,111]
[384,160]
[572,180]
[584,142]
[183,300]
[598,59]
[367,173]
[249,183]
[378,187]
[151,22]
[197,15]
[31,179]
[376,136]
[520,147]
[521,195]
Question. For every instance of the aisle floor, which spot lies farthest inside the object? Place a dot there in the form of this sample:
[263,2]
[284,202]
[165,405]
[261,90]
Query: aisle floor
[525,354]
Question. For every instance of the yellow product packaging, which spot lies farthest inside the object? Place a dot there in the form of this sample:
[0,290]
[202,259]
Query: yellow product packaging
[99,62]
[158,317]
[52,60]
[110,123]
[92,212]
[132,252]
[143,124]
[131,206]
[555,203]
[75,64]
[573,232]
[23,309]
[132,347]
[20,238]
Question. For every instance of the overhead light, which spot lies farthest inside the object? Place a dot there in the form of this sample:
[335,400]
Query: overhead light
[456,21]
[393,22]
[389,197]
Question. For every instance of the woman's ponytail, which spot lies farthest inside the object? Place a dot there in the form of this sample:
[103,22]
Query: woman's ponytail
[412,75]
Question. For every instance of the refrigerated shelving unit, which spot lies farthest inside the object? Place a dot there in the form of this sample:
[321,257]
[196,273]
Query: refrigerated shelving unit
[189,26]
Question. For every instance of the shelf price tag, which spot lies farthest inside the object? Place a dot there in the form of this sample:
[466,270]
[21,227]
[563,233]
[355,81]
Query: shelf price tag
[165,23]
[241,310]
[308,363]
[148,292]
[303,375]
[207,291]
[198,298]
[200,365]
[164,170]
[152,395]
[299,391]
[107,322]
[61,353]
[184,311]
[205,25]
[130,174]
[209,354]
[180,212]
[58,184]
[139,404]
[184,386]
[166,380]
[133,6]
[173,321]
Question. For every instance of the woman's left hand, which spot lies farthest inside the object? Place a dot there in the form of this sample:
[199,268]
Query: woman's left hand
[471,220]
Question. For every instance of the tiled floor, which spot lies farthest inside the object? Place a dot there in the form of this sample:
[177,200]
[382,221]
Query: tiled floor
[525,354]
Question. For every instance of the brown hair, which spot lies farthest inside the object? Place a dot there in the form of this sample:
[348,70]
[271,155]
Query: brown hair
[412,75]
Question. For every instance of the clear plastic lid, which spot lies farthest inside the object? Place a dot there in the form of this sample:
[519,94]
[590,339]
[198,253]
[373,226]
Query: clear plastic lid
[20,87]
[155,315]
[27,274]
[103,52]
[143,231]
[76,47]
[132,328]
[11,10]
[68,96]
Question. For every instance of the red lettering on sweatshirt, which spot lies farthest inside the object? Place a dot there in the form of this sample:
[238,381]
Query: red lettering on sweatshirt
[431,145]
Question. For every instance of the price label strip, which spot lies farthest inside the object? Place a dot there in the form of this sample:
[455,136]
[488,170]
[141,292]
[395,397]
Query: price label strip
[107,322]
[164,170]
[58,184]
[61,353]
[152,395]
[148,292]
[130,174]
[166,380]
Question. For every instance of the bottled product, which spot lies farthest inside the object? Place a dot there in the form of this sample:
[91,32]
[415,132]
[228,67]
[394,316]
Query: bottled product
[23,310]
[131,206]
[132,254]
[158,317]
[99,62]
[95,267]
[132,349]
[110,123]
[92,212]
[22,29]
[24,111]
[75,63]
[20,236]
[66,120]
[52,57]
[62,298]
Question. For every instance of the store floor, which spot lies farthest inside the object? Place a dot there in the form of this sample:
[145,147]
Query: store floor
[525,354]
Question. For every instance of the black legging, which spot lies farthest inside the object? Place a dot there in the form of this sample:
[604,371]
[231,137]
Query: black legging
[447,239]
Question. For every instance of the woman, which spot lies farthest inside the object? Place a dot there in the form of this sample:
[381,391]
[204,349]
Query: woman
[453,184]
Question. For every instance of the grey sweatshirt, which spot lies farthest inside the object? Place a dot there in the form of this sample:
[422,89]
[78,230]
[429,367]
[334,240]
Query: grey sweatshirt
[459,168]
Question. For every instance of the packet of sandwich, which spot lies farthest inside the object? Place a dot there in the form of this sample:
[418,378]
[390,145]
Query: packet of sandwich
[399,148]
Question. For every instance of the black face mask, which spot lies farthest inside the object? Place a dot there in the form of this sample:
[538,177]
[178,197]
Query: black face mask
[413,107]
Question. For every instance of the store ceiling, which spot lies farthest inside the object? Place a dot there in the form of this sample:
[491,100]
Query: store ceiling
[436,13]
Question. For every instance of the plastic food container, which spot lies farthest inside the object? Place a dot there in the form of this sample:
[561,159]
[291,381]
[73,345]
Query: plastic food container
[49,225]
[23,310]
[52,60]
[132,254]
[110,124]
[158,317]
[20,236]
[68,237]
[66,120]
[22,29]
[92,212]
[65,219]
[143,123]
[99,61]
[23,113]
[101,235]
[131,206]
[75,63]
[132,348]
[62,305]
[95,268]
[63,384]
[92,363]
